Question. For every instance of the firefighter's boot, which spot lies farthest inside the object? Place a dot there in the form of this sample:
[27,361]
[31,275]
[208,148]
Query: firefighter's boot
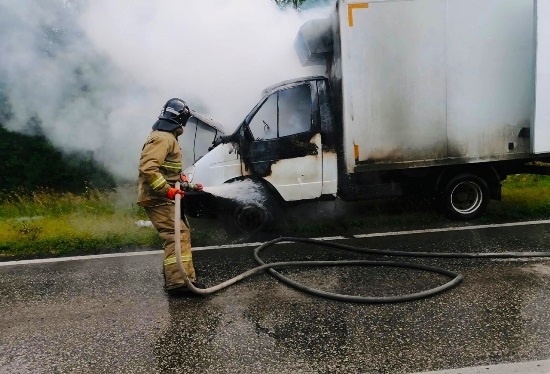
[173,280]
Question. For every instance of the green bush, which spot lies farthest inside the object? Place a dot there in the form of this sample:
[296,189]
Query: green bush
[32,162]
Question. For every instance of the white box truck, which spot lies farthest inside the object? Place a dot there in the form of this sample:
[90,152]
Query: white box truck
[439,97]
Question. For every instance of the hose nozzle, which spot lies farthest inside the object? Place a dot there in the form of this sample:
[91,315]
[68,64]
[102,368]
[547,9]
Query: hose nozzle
[186,186]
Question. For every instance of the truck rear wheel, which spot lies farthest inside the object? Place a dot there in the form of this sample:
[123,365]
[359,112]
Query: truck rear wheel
[464,197]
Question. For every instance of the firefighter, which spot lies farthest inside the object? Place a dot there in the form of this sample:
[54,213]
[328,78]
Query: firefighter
[160,167]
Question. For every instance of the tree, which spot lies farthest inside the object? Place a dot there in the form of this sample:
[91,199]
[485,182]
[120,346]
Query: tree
[31,162]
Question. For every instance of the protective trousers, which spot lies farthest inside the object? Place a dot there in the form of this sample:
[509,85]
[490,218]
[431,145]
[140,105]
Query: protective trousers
[162,218]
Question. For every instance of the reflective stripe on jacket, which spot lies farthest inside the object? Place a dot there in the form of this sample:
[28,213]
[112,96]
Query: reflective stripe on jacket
[159,167]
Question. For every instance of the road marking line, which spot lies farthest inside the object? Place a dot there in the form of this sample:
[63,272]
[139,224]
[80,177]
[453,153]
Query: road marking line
[255,244]
[320,239]
[477,227]
[532,367]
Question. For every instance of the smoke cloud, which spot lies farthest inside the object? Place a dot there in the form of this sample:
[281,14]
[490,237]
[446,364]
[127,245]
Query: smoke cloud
[92,75]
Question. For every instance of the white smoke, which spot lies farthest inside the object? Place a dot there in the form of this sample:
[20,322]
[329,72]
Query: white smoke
[95,73]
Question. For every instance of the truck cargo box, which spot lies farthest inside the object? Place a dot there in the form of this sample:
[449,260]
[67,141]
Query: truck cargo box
[541,133]
[434,82]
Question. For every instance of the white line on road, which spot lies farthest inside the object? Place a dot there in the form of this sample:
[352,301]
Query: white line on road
[531,367]
[157,252]
[527,223]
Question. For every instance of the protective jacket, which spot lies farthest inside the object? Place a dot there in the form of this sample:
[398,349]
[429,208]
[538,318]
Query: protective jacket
[159,167]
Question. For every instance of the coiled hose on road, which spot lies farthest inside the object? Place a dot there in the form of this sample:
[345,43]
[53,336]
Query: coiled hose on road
[455,277]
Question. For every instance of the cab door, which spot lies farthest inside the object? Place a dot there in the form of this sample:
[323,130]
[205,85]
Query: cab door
[283,142]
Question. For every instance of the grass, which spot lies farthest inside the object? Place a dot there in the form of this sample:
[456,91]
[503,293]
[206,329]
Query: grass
[51,224]
[524,197]
[47,223]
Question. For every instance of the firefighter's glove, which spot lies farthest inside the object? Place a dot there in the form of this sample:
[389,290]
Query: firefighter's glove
[184,178]
[172,192]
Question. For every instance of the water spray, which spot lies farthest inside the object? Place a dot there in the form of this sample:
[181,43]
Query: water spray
[455,277]
[242,191]
[247,202]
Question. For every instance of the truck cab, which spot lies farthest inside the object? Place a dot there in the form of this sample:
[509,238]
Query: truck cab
[286,144]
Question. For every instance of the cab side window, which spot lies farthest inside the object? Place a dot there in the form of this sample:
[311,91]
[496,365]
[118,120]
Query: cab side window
[284,113]
[264,123]
[294,110]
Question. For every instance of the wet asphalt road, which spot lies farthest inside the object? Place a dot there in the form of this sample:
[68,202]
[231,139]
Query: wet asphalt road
[110,315]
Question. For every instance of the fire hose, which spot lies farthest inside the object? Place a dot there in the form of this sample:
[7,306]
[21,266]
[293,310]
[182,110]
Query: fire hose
[455,277]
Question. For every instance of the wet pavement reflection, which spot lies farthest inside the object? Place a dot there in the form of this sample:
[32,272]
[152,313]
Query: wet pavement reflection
[110,315]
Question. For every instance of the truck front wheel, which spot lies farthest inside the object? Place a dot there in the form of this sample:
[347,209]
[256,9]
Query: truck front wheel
[256,210]
[464,197]
[251,217]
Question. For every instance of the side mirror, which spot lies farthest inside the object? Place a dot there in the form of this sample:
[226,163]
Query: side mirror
[219,140]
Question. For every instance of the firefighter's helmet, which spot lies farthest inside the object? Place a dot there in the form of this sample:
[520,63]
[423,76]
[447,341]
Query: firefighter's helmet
[175,110]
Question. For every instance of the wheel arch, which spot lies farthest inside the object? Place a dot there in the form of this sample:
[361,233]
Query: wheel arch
[487,172]
[272,208]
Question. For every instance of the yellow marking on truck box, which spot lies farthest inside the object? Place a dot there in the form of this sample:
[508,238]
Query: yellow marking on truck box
[351,7]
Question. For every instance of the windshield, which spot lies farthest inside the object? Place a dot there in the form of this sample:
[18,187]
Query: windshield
[196,140]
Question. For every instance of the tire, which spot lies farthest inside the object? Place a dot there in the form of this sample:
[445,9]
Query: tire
[464,197]
[248,217]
